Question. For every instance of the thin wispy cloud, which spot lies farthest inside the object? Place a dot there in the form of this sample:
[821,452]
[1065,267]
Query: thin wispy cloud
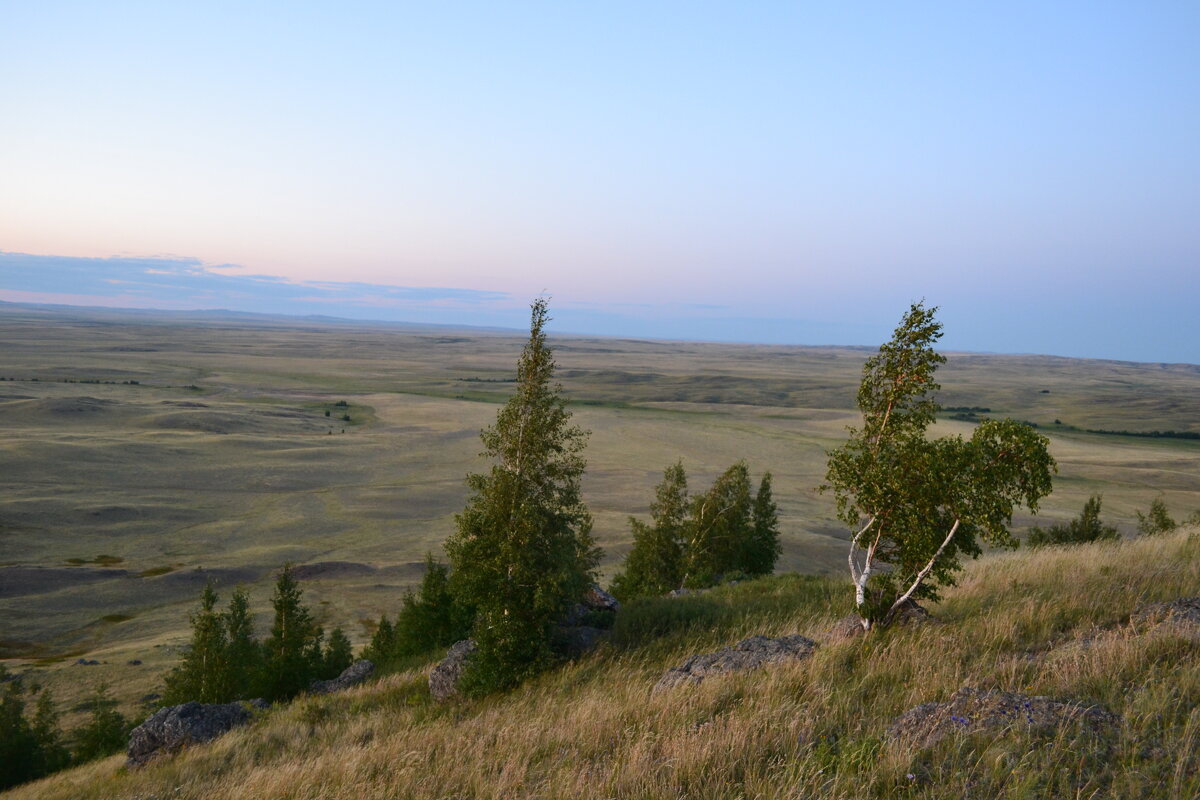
[185,283]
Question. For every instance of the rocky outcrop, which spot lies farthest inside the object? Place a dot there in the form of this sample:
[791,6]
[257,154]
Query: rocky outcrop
[1183,614]
[169,730]
[352,675]
[444,677]
[750,653]
[594,600]
[850,626]
[973,711]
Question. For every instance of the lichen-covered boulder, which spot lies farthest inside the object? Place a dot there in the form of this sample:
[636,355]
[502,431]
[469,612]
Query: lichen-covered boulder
[973,710]
[1182,614]
[444,677]
[352,675]
[750,653]
[171,729]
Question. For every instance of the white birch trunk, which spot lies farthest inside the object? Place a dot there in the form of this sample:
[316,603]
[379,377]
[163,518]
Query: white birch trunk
[860,576]
[924,572]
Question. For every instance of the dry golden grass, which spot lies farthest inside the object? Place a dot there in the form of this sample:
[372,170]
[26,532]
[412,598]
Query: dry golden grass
[1049,622]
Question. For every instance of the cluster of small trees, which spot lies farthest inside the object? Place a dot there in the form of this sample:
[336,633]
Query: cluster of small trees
[225,662]
[32,747]
[431,618]
[693,542]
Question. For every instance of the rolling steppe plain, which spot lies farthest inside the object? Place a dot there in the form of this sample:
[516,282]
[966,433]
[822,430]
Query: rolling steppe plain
[144,454]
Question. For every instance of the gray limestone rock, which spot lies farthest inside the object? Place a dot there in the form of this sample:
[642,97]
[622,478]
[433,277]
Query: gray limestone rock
[750,653]
[352,675]
[973,710]
[171,729]
[444,677]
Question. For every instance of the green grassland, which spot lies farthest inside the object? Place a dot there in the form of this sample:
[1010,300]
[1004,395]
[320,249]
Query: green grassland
[184,449]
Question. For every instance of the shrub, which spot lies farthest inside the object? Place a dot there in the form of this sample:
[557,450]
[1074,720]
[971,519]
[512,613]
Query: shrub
[338,654]
[1156,521]
[1084,528]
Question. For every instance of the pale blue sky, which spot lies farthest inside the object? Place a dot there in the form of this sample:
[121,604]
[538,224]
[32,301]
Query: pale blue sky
[750,171]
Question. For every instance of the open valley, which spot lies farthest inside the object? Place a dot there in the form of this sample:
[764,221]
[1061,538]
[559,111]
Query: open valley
[145,455]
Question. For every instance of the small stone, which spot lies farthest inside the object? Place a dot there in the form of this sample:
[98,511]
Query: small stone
[580,639]
[599,600]
[850,626]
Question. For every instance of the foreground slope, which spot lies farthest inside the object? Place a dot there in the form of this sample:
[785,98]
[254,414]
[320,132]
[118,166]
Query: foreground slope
[1052,622]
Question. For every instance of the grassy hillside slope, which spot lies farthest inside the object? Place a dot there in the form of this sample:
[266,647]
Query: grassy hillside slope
[1051,622]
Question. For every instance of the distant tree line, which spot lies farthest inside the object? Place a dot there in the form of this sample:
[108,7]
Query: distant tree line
[1193,435]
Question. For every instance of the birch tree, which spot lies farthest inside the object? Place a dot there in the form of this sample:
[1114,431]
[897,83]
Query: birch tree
[916,506]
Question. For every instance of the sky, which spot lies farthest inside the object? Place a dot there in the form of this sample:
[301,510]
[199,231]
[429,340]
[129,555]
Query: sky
[774,172]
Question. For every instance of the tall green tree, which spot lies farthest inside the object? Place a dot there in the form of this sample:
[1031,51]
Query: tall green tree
[243,653]
[293,651]
[523,552]
[917,505]
[760,548]
[18,745]
[655,564]
[720,523]
[382,647]
[51,753]
[203,675]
